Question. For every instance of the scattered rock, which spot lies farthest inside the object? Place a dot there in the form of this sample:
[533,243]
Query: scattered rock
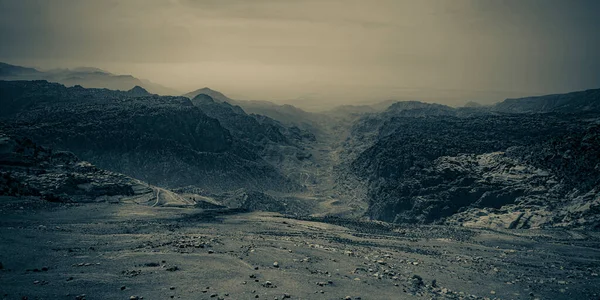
[276,265]
[152,264]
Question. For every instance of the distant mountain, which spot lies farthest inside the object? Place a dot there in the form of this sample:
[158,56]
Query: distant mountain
[84,76]
[281,145]
[218,96]
[7,70]
[473,104]
[416,108]
[285,114]
[571,102]
[360,109]
[138,91]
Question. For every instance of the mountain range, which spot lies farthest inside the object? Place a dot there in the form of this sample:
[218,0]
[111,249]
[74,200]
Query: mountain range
[521,163]
[84,76]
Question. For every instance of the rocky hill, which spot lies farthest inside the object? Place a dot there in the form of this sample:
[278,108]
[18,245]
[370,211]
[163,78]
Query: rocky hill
[574,102]
[57,176]
[166,141]
[427,163]
[285,114]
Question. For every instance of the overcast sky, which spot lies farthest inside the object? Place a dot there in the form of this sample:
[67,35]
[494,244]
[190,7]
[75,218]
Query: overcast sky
[450,51]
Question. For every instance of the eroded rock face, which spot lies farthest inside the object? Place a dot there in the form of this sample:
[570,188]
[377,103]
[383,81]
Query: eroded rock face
[166,141]
[30,170]
[435,165]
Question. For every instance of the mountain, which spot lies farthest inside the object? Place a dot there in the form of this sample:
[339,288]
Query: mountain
[429,163]
[218,96]
[138,91]
[166,141]
[285,114]
[280,145]
[413,162]
[574,102]
[83,76]
[7,70]
[473,104]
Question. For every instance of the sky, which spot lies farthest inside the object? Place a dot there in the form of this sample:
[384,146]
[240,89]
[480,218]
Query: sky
[311,52]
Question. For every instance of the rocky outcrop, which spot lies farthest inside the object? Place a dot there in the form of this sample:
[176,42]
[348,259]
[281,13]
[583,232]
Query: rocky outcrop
[30,170]
[427,164]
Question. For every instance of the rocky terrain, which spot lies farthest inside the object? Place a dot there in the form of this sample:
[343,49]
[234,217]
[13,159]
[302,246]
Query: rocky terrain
[130,251]
[429,163]
[110,194]
[413,162]
[69,230]
[279,144]
[30,171]
[165,141]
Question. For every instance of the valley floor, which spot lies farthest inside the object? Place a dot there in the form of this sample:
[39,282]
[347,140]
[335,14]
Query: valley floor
[115,251]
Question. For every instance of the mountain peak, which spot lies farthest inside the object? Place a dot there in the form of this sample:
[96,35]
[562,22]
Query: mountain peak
[215,95]
[203,98]
[138,91]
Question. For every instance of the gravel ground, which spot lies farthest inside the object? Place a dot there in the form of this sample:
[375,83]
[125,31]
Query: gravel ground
[124,251]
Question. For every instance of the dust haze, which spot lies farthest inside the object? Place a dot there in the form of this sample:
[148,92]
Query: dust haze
[317,54]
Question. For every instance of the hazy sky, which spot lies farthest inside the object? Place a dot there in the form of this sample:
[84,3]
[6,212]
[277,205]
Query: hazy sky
[323,50]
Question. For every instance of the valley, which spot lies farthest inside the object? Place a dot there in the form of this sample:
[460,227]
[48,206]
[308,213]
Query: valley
[137,195]
[299,150]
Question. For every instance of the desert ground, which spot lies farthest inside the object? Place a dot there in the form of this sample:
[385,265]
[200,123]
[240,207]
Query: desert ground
[130,251]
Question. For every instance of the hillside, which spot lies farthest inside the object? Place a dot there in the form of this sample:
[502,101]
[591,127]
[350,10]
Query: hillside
[165,141]
[427,163]
[574,102]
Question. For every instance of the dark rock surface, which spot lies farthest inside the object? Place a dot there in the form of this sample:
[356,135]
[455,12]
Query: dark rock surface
[165,141]
[427,163]
[27,169]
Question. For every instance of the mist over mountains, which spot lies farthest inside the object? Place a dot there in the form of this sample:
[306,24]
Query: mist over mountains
[84,76]
[394,172]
